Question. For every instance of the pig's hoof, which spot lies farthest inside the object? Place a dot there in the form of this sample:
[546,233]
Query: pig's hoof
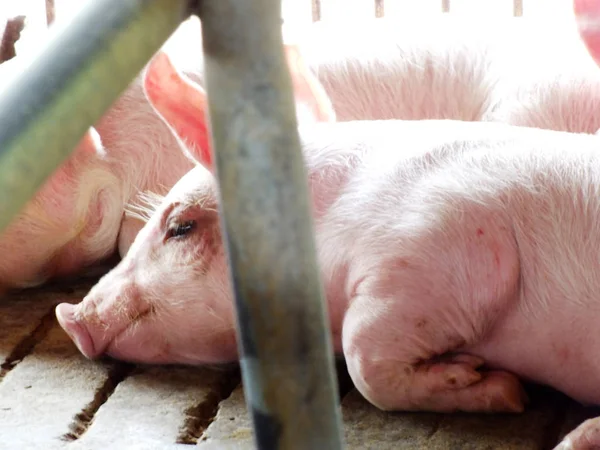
[445,384]
[461,388]
[585,437]
[66,319]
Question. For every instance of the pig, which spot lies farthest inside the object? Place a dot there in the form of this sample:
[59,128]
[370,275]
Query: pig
[457,259]
[443,69]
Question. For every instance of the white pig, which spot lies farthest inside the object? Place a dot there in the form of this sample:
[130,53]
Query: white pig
[442,245]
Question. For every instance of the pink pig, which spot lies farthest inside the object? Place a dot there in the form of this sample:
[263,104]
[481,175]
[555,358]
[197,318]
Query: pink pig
[444,246]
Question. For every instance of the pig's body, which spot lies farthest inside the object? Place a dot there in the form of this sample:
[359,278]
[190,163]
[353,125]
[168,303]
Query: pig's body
[434,238]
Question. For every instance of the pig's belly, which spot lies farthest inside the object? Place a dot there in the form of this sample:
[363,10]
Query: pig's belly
[559,351]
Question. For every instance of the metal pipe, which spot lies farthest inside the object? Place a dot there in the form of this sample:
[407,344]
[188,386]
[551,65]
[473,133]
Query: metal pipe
[285,346]
[77,75]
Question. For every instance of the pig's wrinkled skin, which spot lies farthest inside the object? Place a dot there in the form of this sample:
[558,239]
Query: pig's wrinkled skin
[443,69]
[442,246]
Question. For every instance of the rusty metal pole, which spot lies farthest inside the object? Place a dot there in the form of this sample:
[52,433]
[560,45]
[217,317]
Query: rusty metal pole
[80,71]
[286,352]
[10,35]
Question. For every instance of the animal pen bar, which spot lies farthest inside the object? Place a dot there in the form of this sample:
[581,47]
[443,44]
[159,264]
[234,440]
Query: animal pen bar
[286,353]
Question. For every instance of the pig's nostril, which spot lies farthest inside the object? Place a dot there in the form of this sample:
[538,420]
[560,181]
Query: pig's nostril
[65,313]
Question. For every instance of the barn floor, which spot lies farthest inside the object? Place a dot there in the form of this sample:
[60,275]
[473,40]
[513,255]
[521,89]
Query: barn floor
[53,398]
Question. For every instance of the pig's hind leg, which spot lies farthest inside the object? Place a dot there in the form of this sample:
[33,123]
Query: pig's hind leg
[412,314]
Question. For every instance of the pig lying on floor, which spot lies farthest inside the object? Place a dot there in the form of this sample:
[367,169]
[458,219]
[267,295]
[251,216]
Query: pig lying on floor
[443,245]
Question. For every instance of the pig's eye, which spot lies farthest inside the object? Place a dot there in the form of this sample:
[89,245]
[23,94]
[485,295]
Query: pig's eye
[181,229]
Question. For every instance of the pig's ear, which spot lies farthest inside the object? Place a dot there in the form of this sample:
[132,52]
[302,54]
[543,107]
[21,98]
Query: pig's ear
[587,15]
[312,101]
[181,103]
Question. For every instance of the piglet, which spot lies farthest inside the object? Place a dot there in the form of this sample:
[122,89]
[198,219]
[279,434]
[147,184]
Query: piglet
[446,249]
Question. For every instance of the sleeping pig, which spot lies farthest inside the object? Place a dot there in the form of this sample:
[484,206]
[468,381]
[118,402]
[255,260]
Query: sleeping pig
[457,258]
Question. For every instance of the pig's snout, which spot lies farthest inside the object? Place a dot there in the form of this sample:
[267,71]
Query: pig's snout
[103,315]
[66,315]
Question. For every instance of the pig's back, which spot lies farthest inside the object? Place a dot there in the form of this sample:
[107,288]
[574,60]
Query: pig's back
[393,69]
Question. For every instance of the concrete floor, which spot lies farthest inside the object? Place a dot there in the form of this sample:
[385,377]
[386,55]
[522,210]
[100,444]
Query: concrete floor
[53,398]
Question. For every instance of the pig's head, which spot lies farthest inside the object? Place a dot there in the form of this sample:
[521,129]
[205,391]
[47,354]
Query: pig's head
[169,299]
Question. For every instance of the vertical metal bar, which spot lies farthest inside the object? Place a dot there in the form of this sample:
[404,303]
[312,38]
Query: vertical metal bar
[286,351]
[518,8]
[445,6]
[316,10]
[82,68]
[379,8]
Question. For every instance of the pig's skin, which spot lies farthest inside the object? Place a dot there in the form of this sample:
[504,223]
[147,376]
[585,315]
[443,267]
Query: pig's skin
[433,237]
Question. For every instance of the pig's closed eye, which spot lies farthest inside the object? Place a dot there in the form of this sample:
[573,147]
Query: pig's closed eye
[181,229]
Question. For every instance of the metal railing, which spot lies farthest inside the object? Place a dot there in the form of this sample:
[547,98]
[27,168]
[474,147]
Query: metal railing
[379,8]
[286,352]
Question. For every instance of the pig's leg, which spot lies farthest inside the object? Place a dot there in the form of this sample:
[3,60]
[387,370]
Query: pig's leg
[585,437]
[410,316]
